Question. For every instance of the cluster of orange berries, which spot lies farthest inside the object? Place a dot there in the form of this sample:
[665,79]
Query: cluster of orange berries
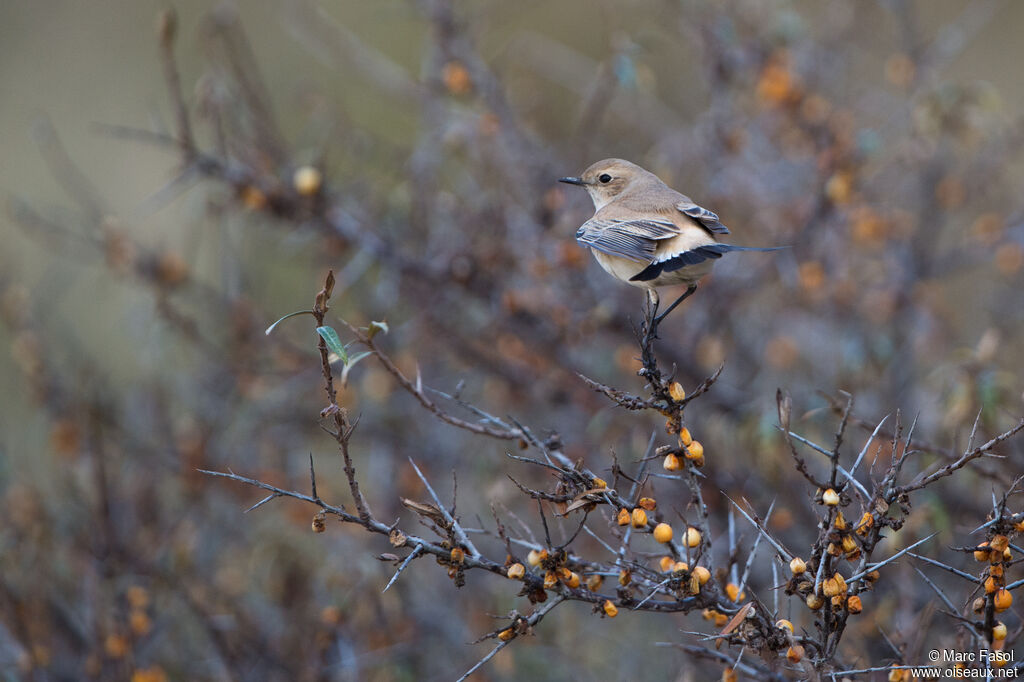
[456,564]
[118,644]
[307,181]
[554,568]
[555,572]
[996,552]
[841,536]
[834,589]
[690,581]
[795,653]
[690,449]
[662,532]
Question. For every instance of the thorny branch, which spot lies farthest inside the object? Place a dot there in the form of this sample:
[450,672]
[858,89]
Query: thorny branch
[685,581]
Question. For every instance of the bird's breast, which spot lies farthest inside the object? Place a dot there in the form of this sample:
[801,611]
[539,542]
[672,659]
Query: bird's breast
[620,268]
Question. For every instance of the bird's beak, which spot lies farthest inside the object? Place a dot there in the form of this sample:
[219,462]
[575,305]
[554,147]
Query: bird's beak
[573,181]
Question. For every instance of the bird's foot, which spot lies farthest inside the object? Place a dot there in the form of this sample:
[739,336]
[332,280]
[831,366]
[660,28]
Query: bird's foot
[658,320]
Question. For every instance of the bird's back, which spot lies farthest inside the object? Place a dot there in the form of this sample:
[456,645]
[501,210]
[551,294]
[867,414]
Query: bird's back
[657,200]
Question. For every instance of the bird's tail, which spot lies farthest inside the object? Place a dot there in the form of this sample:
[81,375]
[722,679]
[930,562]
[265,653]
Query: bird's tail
[692,257]
[726,248]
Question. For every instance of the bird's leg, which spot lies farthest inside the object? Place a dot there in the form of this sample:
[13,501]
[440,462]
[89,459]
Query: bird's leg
[650,326]
[652,304]
[686,295]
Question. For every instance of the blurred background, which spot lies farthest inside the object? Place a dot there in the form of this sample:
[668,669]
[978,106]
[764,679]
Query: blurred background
[881,140]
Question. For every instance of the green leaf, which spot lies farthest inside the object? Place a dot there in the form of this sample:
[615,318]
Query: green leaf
[334,344]
[376,327]
[295,314]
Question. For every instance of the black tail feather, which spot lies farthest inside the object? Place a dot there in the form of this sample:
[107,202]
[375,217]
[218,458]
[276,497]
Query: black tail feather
[693,257]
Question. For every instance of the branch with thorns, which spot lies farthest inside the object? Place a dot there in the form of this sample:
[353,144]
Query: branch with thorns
[687,577]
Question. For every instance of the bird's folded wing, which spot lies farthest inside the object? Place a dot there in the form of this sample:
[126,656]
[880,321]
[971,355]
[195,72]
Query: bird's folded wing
[630,239]
[708,220]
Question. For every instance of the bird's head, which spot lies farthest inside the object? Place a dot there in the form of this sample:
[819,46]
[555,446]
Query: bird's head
[609,178]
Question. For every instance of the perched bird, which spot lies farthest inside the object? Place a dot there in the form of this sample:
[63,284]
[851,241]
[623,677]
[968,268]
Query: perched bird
[647,234]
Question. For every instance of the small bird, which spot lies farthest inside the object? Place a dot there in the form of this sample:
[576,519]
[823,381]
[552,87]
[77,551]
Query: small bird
[647,234]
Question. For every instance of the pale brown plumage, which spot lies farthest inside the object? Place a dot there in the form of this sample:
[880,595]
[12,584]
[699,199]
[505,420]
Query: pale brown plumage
[645,233]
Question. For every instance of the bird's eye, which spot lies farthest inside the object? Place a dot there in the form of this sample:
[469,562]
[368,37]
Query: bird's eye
[605,178]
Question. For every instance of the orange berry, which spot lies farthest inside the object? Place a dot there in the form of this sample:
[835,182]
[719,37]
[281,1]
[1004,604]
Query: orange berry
[795,654]
[639,518]
[456,78]
[140,623]
[1003,600]
[171,268]
[672,463]
[515,571]
[307,180]
[854,605]
[647,503]
[703,574]
[663,532]
[610,609]
[797,566]
[897,675]
[138,597]
[252,198]
[330,616]
[115,646]
[692,537]
[675,390]
[840,581]
[830,497]
[623,518]
[866,522]
[840,522]
[684,437]
[694,450]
